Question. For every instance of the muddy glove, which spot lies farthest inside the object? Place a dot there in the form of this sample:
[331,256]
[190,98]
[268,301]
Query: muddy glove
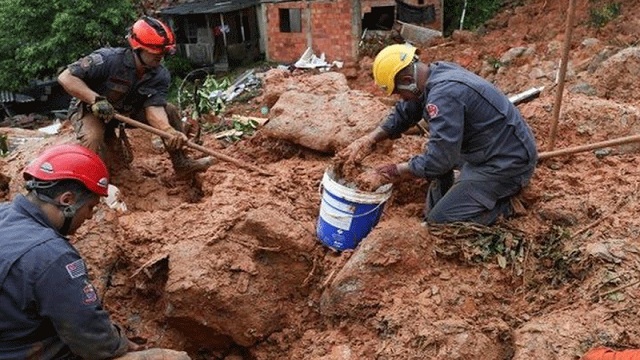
[357,150]
[177,140]
[102,109]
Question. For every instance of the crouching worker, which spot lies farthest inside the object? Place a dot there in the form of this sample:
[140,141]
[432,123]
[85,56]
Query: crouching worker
[49,308]
[132,81]
[472,127]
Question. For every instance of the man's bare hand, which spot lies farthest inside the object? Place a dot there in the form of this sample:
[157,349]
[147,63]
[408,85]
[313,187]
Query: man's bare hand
[371,180]
[357,150]
[177,140]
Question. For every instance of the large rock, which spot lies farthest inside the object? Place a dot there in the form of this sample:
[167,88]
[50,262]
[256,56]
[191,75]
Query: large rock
[323,114]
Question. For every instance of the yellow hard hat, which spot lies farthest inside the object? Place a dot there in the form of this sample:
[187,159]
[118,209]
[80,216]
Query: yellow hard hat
[388,64]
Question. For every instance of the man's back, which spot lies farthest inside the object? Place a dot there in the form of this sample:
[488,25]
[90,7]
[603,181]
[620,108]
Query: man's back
[48,304]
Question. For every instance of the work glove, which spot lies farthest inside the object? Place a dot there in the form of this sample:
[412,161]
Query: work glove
[102,109]
[372,179]
[176,141]
[357,150]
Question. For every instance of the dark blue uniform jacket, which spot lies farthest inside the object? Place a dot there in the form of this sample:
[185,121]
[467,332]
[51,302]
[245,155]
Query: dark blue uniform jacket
[471,124]
[111,72]
[48,307]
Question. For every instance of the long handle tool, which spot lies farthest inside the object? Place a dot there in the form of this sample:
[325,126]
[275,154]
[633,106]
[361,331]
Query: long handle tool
[164,134]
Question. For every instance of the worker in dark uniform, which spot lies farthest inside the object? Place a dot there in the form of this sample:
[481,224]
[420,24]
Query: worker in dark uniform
[133,82]
[473,127]
[48,307]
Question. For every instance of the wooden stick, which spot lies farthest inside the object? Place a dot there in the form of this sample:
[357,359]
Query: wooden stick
[619,288]
[164,134]
[582,148]
[563,71]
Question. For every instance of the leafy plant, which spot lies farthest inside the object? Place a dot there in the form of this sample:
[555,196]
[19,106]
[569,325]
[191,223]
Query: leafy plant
[601,14]
[476,13]
[39,37]
[495,63]
[178,65]
[240,128]
[209,95]
[204,97]
[480,244]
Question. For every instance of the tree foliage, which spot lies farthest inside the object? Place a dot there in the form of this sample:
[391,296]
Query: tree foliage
[478,11]
[38,37]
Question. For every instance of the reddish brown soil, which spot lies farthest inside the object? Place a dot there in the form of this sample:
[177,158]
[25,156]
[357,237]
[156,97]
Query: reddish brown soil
[228,266]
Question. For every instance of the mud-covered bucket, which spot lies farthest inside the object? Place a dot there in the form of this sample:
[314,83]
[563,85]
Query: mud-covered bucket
[347,215]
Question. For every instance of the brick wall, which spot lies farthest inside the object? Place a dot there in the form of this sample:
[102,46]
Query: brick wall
[327,27]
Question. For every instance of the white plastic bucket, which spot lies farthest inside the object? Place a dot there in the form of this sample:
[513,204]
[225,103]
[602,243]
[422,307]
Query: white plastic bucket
[347,215]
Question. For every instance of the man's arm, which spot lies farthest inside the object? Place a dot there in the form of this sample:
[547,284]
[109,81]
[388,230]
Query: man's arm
[158,118]
[404,115]
[76,87]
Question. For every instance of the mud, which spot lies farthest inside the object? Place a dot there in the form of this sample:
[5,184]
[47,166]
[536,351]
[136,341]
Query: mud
[227,265]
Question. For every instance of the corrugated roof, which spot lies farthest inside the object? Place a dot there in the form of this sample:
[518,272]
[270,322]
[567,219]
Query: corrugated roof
[208,7]
[9,97]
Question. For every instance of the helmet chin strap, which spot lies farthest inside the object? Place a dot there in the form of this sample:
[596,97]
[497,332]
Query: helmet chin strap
[144,64]
[68,211]
[413,87]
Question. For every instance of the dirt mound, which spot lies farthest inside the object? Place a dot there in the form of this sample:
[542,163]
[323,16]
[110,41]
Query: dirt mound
[227,265]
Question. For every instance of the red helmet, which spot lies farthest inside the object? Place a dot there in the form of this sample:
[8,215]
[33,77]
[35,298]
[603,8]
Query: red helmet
[70,161]
[152,35]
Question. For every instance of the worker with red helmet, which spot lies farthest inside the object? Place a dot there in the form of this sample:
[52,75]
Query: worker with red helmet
[131,81]
[49,308]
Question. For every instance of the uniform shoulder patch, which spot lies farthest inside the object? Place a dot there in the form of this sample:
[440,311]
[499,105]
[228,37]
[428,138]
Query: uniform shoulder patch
[432,110]
[76,269]
[91,60]
[89,294]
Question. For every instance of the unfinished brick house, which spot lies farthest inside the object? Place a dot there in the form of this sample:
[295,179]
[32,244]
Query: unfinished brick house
[227,32]
[334,27]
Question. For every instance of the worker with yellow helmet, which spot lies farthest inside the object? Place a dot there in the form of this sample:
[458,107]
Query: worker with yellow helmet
[473,127]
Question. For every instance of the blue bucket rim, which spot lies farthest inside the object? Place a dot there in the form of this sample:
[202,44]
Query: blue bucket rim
[382,194]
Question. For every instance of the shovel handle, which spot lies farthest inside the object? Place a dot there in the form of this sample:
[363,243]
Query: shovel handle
[166,135]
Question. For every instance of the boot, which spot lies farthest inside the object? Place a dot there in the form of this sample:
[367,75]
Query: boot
[182,165]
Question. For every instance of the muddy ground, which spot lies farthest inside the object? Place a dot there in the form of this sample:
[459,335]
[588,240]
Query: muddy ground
[228,265]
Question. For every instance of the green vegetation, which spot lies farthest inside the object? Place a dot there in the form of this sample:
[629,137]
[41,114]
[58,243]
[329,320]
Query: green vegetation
[477,12]
[41,36]
[495,63]
[178,65]
[236,128]
[600,14]
[475,243]
[196,95]
[204,97]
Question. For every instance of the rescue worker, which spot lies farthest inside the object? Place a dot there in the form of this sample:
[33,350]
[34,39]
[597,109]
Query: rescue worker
[473,127]
[132,81]
[49,308]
